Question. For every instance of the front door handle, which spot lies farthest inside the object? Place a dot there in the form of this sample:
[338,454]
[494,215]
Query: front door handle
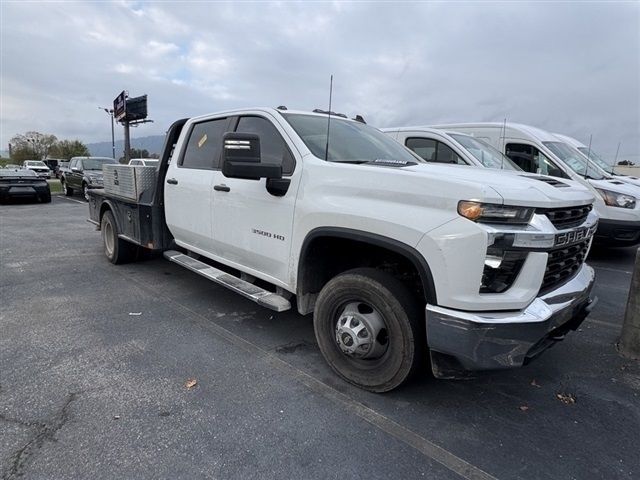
[172,181]
[221,188]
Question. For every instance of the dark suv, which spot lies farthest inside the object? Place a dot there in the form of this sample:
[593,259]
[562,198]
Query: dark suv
[83,174]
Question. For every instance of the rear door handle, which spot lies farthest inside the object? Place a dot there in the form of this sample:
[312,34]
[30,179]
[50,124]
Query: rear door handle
[172,181]
[221,188]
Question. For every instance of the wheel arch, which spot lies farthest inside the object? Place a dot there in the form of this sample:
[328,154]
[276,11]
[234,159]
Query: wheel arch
[312,275]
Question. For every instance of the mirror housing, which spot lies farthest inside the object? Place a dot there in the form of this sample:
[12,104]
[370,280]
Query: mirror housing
[76,169]
[241,158]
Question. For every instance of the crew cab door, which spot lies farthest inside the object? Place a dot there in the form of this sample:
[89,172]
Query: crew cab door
[188,189]
[532,160]
[252,227]
[74,175]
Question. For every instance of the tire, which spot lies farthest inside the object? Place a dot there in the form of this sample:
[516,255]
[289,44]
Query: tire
[65,188]
[46,198]
[116,250]
[85,192]
[376,295]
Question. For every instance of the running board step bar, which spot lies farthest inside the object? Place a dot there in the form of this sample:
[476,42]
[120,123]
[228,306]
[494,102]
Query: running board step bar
[252,292]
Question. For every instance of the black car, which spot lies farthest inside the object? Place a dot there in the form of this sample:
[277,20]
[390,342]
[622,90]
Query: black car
[23,183]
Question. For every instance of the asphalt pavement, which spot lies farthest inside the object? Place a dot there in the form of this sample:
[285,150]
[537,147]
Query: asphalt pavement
[95,359]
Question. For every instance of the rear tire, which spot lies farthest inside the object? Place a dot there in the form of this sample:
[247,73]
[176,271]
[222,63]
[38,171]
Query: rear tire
[394,345]
[116,250]
[46,198]
[65,188]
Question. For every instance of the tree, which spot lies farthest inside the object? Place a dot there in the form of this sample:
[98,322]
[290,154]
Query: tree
[136,153]
[66,149]
[31,145]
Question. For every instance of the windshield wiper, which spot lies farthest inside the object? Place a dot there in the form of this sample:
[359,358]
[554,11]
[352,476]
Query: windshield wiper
[387,162]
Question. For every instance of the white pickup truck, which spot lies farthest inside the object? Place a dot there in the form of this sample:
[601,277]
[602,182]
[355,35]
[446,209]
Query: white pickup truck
[402,263]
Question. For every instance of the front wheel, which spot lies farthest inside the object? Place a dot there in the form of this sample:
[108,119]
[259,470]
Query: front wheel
[65,188]
[117,250]
[369,329]
[85,191]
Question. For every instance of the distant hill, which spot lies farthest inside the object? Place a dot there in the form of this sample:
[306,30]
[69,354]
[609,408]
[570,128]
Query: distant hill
[103,149]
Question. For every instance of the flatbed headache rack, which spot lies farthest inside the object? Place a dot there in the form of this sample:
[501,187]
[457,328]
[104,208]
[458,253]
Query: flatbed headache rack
[141,222]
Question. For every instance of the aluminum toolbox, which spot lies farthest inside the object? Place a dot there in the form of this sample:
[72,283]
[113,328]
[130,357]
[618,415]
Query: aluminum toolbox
[133,182]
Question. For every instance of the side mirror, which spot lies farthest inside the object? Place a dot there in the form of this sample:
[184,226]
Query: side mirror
[241,158]
[76,169]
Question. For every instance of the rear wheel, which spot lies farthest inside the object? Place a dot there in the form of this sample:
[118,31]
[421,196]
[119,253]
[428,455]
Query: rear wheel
[369,329]
[117,250]
[46,198]
[65,188]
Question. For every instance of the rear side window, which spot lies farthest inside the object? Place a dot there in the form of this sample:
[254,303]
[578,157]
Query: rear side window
[273,148]
[203,146]
[433,151]
[532,160]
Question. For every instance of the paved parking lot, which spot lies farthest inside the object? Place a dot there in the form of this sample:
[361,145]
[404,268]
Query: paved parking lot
[94,360]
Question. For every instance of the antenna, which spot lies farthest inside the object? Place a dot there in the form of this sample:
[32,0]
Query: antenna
[504,152]
[326,149]
[586,168]
[615,160]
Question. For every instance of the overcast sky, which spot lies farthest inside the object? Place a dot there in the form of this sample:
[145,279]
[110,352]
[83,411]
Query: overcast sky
[572,68]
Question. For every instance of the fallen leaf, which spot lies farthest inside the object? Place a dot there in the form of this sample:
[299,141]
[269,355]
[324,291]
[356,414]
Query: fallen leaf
[135,314]
[190,383]
[523,408]
[566,398]
[534,383]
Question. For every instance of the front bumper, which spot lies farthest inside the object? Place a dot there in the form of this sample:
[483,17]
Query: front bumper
[618,233]
[461,342]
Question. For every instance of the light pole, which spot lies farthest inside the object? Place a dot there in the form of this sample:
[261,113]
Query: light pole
[109,111]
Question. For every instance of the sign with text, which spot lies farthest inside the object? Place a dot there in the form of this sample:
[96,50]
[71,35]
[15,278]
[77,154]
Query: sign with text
[120,106]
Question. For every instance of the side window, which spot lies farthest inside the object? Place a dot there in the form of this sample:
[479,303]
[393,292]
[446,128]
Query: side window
[433,151]
[445,154]
[273,149]
[203,146]
[424,147]
[532,160]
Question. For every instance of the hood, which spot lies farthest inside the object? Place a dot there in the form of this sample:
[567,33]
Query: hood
[629,179]
[618,186]
[94,173]
[513,187]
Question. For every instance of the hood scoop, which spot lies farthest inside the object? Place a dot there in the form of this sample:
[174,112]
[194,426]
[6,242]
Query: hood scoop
[550,180]
[616,182]
[387,162]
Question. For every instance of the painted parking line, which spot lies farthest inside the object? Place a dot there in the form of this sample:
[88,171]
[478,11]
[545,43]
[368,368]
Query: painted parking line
[73,200]
[609,269]
[429,449]
[603,323]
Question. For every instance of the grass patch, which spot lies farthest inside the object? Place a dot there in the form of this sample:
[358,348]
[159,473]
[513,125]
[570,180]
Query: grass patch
[55,185]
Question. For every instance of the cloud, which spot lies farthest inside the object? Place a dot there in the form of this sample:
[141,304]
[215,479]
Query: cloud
[573,68]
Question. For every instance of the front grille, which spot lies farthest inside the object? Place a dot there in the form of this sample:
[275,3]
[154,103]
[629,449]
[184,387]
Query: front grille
[563,218]
[563,263]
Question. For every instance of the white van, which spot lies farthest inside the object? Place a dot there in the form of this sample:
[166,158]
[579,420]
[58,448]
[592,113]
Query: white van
[537,151]
[597,160]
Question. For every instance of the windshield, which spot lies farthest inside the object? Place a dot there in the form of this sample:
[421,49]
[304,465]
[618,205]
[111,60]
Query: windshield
[35,163]
[485,153]
[597,159]
[96,163]
[348,141]
[574,160]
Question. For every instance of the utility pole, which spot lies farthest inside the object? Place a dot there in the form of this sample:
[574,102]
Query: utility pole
[113,137]
[127,143]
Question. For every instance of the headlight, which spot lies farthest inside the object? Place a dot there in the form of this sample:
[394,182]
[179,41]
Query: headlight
[494,213]
[614,199]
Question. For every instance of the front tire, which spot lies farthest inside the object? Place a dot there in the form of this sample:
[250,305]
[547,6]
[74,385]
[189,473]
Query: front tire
[65,188]
[370,329]
[116,250]
[46,198]
[85,191]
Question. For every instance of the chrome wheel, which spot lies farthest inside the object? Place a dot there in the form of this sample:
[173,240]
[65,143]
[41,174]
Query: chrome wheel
[85,191]
[64,188]
[360,332]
